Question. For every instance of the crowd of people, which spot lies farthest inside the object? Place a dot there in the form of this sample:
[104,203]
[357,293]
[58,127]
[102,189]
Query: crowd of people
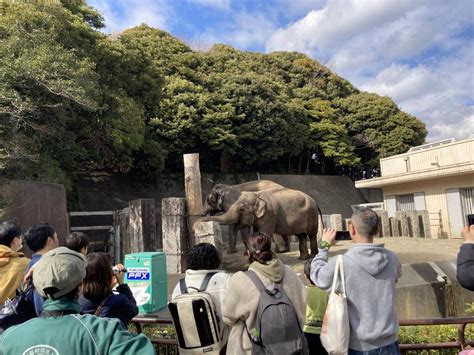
[85,306]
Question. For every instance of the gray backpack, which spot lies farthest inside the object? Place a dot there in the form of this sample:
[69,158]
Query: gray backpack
[277,329]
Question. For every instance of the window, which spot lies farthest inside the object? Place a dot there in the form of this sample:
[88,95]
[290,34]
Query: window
[406,202]
[467,202]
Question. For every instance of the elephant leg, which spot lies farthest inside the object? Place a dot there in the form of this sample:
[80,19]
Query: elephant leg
[232,239]
[245,233]
[313,241]
[282,243]
[302,237]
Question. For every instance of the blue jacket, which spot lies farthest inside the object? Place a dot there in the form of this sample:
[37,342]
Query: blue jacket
[120,304]
[72,334]
[35,297]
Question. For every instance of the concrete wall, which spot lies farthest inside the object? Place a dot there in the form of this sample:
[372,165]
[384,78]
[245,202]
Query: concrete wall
[32,202]
[430,290]
[435,197]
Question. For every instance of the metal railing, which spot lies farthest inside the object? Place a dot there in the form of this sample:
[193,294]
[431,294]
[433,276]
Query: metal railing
[460,343]
[170,346]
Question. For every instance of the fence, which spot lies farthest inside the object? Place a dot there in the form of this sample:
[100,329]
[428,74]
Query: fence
[170,346]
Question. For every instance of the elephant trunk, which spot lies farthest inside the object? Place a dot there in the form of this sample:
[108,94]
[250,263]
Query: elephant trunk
[230,217]
[206,209]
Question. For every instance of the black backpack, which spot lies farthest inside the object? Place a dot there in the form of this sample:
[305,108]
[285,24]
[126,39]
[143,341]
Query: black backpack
[277,329]
[19,309]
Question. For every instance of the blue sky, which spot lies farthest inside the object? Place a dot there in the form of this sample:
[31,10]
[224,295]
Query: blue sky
[418,52]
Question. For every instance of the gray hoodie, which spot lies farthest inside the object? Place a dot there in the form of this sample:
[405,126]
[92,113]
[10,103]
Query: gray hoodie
[371,272]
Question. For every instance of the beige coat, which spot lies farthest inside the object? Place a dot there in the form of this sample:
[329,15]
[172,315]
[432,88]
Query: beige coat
[241,304]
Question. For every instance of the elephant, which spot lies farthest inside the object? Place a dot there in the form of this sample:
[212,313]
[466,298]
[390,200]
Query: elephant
[278,210]
[223,196]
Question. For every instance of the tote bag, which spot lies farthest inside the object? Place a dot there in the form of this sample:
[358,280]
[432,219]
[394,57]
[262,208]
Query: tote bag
[335,329]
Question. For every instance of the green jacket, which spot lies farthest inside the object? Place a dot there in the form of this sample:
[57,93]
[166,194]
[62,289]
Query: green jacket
[72,334]
[317,301]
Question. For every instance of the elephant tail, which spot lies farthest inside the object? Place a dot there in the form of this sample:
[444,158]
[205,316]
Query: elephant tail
[321,214]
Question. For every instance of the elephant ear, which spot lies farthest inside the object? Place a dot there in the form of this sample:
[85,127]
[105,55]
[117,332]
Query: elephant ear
[260,208]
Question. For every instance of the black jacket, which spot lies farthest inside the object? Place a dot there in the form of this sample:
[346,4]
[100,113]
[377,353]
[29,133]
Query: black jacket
[465,268]
[120,304]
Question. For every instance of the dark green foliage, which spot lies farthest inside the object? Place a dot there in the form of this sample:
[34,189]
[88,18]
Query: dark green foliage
[74,101]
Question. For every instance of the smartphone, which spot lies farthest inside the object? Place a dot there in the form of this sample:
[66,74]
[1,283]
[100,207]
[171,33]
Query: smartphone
[343,235]
[470,219]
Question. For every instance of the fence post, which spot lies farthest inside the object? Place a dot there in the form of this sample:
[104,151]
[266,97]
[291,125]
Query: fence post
[175,233]
[384,224]
[192,184]
[402,218]
[209,232]
[424,218]
[142,225]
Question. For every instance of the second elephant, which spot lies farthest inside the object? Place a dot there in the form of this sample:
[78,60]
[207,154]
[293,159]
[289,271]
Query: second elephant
[280,210]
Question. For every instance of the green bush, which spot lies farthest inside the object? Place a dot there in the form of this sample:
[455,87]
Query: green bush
[433,334]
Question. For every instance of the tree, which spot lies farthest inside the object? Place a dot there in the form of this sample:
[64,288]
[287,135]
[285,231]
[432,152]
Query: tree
[377,127]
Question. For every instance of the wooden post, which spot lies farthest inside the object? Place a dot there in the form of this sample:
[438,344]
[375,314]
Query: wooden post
[192,183]
[175,241]
[384,224]
[121,240]
[424,218]
[142,225]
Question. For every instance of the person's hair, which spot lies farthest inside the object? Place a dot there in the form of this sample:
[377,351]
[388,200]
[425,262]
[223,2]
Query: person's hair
[366,221]
[260,248]
[77,241]
[71,295]
[307,270]
[8,232]
[203,256]
[38,235]
[98,282]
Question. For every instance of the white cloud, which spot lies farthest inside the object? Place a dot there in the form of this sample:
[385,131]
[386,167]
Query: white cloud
[219,4]
[247,30]
[122,14]
[383,46]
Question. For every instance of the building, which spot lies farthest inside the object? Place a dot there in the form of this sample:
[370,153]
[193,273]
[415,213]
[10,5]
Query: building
[438,177]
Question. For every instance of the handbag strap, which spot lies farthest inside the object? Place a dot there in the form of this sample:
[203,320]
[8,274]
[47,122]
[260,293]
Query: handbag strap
[339,271]
[99,308]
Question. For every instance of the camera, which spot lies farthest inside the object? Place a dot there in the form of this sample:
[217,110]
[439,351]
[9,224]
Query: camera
[116,270]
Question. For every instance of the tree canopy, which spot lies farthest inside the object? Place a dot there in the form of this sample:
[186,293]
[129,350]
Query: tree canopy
[74,101]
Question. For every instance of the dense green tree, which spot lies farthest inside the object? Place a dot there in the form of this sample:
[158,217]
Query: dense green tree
[377,127]
[74,100]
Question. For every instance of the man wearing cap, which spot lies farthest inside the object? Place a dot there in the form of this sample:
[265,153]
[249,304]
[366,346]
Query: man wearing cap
[58,276]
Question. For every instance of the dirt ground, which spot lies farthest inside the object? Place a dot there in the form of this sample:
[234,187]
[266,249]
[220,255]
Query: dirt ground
[408,250]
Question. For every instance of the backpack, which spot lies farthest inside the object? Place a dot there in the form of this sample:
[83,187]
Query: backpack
[277,329]
[17,310]
[195,320]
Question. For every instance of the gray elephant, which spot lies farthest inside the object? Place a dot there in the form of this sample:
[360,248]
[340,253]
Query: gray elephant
[223,196]
[280,210]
